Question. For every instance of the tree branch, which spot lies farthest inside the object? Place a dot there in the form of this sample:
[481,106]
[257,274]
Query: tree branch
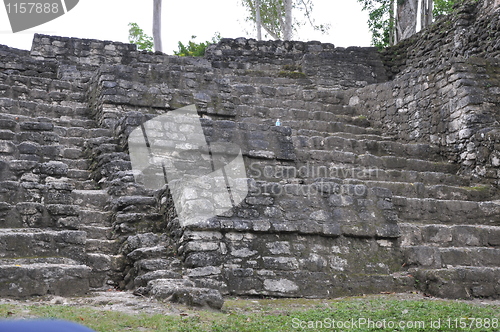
[270,32]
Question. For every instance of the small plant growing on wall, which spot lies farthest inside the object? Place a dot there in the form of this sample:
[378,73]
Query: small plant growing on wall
[193,48]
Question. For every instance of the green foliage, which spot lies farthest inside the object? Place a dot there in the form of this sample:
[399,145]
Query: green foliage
[275,315]
[137,36]
[196,49]
[443,7]
[381,20]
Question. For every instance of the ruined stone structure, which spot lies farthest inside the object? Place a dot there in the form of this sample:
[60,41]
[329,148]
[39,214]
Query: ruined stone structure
[382,177]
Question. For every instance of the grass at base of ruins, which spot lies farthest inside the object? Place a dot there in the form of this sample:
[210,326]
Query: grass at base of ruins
[383,312]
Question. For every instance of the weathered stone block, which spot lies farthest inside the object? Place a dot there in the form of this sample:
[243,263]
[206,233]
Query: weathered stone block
[54,168]
[183,291]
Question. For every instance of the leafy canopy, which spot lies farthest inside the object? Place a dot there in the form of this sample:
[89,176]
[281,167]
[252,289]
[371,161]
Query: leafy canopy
[137,36]
[381,20]
[443,7]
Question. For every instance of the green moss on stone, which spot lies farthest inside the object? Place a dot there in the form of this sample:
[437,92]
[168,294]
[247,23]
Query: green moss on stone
[292,68]
[479,188]
[291,74]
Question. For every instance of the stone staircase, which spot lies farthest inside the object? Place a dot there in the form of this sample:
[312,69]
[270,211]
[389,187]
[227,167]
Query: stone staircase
[336,206]
[449,224]
[54,226]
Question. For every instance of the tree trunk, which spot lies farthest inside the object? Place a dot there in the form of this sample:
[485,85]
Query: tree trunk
[426,13]
[258,20]
[406,25]
[157,25]
[287,34]
[392,24]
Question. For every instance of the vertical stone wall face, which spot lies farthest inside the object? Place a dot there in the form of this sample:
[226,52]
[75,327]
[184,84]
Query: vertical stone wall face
[381,170]
[444,91]
[454,107]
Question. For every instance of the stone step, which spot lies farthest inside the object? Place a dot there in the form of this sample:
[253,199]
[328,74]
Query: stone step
[85,184]
[160,251]
[444,192]
[41,83]
[185,292]
[362,146]
[330,127]
[448,212]
[97,232]
[266,170]
[40,94]
[79,174]
[104,266]
[433,235]
[320,158]
[95,218]
[289,92]
[75,142]
[318,111]
[426,177]
[436,257]
[64,210]
[460,282]
[319,126]
[18,108]
[142,280]
[11,121]
[91,199]
[271,114]
[72,153]
[134,204]
[45,134]
[97,246]
[81,132]
[33,243]
[144,266]
[267,75]
[32,150]
[38,260]
[346,135]
[20,62]
[68,121]
[102,262]
[42,145]
[39,279]
[77,164]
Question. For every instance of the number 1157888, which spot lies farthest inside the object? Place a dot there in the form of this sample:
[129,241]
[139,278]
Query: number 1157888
[33,7]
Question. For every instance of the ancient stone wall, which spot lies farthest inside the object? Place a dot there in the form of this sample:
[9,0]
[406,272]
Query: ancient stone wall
[444,91]
[125,97]
[381,170]
[323,64]
[452,106]
[472,30]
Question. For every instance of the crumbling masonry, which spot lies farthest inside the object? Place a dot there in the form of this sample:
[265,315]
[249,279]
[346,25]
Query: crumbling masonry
[383,176]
